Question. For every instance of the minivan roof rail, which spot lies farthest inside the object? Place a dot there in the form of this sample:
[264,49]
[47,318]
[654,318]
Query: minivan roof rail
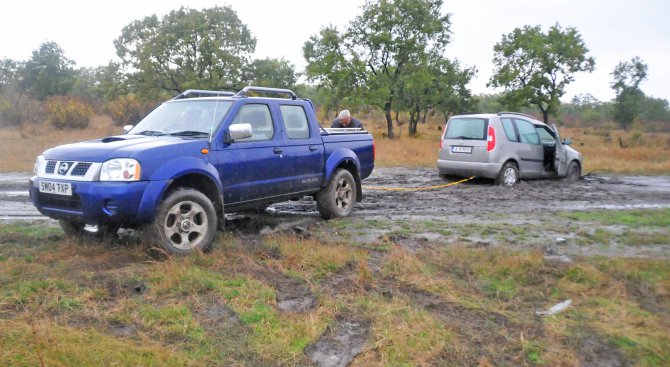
[514,113]
[201,92]
[251,88]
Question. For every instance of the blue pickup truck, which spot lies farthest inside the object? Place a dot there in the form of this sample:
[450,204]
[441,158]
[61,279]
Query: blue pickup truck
[196,157]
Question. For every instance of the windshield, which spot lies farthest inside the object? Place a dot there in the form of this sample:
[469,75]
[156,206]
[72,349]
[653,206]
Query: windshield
[184,118]
[466,128]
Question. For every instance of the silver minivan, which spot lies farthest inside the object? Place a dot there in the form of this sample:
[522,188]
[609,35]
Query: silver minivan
[506,146]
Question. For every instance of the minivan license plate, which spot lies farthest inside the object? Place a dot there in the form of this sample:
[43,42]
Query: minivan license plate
[461,149]
[58,188]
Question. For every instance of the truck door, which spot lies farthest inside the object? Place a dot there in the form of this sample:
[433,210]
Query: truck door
[303,148]
[250,168]
[530,150]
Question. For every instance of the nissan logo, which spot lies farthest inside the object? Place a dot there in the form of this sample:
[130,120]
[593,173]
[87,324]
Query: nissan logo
[63,167]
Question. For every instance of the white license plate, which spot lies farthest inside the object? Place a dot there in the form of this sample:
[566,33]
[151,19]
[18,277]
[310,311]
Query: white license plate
[461,149]
[58,188]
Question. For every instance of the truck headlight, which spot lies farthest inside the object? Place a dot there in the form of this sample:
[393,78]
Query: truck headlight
[39,162]
[120,169]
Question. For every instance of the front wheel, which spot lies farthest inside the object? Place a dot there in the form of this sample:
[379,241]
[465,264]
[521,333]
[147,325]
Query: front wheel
[80,231]
[185,222]
[337,199]
[508,176]
[574,171]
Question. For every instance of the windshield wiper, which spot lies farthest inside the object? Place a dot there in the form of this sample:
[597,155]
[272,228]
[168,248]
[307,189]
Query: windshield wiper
[463,137]
[189,133]
[150,133]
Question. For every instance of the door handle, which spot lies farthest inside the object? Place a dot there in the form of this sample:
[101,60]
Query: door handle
[278,150]
[313,148]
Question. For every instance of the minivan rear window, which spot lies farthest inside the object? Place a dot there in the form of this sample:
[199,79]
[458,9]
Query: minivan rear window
[466,128]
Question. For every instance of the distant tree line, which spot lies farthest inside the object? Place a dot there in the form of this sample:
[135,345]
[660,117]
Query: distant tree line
[391,56]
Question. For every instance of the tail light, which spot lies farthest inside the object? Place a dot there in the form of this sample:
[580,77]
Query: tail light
[442,138]
[491,139]
[374,150]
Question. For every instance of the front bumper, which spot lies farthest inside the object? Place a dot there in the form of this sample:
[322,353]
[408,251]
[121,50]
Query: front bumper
[101,202]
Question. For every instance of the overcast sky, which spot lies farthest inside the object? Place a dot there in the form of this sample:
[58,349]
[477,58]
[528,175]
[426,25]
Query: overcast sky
[613,30]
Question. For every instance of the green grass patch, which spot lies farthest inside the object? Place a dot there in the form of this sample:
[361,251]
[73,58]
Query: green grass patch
[47,344]
[629,218]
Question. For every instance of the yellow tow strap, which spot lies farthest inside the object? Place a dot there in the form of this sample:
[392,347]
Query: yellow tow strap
[417,188]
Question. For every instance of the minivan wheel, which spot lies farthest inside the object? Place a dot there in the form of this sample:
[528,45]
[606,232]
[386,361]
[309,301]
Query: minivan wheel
[574,171]
[509,175]
[185,222]
[337,199]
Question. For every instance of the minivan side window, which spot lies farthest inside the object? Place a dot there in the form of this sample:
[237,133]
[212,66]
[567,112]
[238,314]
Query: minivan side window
[258,115]
[466,128]
[527,132]
[295,122]
[546,136]
[508,125]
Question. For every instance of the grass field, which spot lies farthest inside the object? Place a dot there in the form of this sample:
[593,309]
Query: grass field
[604,151]
[451,302]
[65,303]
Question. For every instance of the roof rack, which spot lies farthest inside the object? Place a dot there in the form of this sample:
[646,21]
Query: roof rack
[514,113]
[251,88]
[201,92]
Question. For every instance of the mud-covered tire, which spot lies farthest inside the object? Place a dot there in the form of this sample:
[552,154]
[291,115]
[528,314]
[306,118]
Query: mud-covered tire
[185,222]
[574,171]
[508,176]
[338,198]
[78,231]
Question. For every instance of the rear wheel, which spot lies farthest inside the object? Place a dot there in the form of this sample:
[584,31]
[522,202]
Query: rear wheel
[337,199]
[509,175]
[185,222]
[81,231]
[574,171]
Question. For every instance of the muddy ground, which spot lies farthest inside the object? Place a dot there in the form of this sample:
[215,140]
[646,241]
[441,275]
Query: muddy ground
[477,212]
[422,216]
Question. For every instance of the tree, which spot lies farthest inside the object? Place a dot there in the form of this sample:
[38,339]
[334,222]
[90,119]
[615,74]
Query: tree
[111,82]
[452,95]
[379,50]
[626,84]
[330,65]
[187,49]
[48,72]
[534,67]
[276,73]
[440,85]
[9,73]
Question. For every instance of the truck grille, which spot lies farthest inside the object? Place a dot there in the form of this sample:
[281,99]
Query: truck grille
[51,167]
[80,169]
[74,168]
[59,201]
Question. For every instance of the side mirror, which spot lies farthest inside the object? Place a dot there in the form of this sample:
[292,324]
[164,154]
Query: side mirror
[237,132]
[567,141]
[127,128]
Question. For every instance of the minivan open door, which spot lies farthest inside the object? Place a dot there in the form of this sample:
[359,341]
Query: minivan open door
[561,160]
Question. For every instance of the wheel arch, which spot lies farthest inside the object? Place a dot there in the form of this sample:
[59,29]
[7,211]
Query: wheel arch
[345,159]
[202,182]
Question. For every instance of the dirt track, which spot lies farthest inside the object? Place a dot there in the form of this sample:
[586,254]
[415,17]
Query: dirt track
[464,200]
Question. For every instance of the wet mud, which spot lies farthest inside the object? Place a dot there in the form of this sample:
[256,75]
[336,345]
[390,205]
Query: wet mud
[475,197]
[341,342]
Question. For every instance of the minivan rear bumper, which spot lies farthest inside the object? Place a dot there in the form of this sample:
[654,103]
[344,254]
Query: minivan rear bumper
[457,168]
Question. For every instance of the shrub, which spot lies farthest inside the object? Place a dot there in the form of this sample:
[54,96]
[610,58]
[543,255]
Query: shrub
[17,109]
[69,112]
[127,109]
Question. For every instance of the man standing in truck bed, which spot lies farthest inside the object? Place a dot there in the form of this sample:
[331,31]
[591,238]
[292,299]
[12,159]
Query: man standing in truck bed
[344,120]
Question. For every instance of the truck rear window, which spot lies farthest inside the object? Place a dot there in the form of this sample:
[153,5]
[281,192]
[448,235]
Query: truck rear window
[466,128]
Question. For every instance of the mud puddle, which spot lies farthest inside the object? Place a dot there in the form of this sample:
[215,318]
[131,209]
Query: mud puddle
[341,342]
